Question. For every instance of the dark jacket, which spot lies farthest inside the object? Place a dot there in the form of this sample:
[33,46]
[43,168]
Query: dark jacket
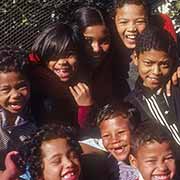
[159,107]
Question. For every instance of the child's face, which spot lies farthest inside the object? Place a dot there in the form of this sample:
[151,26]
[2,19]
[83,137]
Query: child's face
[115,134]
[130,20]
[97,41]
[64,67]
[155,161]
[154,67]
[14,91]
[60,161]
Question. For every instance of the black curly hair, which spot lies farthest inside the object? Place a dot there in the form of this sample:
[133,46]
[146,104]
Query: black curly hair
[123,109]
[149,132]
[157,39]
[120,3]
[13,59]
[31,150]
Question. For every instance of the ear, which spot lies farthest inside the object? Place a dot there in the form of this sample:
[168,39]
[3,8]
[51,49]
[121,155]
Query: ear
[133,161]
[134,58]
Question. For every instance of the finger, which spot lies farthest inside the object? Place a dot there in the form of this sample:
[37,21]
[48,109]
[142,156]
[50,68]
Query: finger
[174,78]
[77,89]
[73,92]
[82,87]
[11,154]
[168,88]
[85,86]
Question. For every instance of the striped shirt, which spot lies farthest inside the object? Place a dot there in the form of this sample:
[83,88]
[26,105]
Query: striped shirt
[162,112]
[158,106]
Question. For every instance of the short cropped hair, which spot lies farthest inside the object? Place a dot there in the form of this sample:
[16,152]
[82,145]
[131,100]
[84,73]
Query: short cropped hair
[157,39]
[13,59]
[123,109]
[148,132]
[32,146]
[120,3]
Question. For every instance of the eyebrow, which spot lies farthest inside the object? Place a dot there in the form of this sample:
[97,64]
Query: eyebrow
[54,156]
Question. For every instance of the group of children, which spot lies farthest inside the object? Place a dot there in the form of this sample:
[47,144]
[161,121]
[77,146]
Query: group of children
[119,74]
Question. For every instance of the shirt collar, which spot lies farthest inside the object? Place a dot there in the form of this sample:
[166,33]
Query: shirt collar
[18,122]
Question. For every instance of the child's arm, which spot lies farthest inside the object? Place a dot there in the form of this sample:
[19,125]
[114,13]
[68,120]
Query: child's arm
[82,96]
[11,172]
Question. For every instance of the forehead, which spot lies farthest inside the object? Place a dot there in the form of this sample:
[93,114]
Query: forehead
[118,122]
[55,146]
[10,77]
[155,55]
[96,31]
[154,149]
[130,11]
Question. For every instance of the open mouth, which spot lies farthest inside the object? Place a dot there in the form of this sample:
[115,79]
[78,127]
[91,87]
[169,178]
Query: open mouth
[16,106]
[161,177]
[63,73]
[71,175]
[131,38]
[154,80]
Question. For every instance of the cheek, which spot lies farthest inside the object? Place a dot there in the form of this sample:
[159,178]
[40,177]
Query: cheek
[120,30]
[105,143]
[127,138]
[51,172]
[145,170]
[26,93]
[140,28]
[51,65]
[172,167]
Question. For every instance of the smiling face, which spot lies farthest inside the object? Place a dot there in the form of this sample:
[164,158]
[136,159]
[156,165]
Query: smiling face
[97,41]
[154,67]
[130,20]
[155,161]
[65,67]
[60,162]
[115,134]
[14,92]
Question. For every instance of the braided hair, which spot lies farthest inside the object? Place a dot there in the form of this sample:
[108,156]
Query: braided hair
[31,152]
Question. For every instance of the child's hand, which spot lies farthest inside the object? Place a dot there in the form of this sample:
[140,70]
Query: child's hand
[81,94]
[174,80]
[11,172]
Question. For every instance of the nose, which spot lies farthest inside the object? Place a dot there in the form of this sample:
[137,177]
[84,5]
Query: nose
[114,138]
[162,166]
[132,27]
[15,94]
[156,70]
[96,46]
[67,162]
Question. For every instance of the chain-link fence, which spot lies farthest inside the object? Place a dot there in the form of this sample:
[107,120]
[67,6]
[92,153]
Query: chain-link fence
[21,20]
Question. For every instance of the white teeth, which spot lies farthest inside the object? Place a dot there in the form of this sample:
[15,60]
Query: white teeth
[163,177]
[68,175]
[131,37]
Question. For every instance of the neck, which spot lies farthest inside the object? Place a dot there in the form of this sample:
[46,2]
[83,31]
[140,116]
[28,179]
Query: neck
[11,118]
